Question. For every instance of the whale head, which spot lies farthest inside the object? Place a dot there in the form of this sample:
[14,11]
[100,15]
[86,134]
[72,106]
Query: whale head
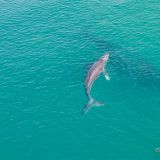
[105,57]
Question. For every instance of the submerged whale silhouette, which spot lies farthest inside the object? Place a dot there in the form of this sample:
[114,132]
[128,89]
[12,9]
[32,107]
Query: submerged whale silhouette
[136,70]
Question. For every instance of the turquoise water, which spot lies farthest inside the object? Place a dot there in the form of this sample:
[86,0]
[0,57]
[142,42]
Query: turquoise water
[45,48]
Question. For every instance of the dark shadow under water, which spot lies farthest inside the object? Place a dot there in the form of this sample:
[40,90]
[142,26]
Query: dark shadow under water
[136,70]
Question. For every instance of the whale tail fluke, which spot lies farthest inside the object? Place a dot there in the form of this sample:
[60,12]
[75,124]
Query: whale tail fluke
[91,103]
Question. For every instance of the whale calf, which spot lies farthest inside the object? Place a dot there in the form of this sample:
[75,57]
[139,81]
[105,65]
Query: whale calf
[96,69]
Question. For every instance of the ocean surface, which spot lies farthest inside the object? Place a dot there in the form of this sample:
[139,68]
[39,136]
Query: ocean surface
[46,47]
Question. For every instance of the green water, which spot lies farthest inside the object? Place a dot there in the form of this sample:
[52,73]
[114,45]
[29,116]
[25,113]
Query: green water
[45,47]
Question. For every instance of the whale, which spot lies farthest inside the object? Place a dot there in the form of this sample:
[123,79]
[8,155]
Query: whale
[95,70]
[135,70]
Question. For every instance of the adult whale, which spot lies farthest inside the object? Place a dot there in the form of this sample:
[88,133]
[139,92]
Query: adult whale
[93,73]
[135,70]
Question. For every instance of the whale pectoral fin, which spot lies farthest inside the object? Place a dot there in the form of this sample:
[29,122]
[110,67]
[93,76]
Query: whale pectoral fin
[106,75]
[88,66]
